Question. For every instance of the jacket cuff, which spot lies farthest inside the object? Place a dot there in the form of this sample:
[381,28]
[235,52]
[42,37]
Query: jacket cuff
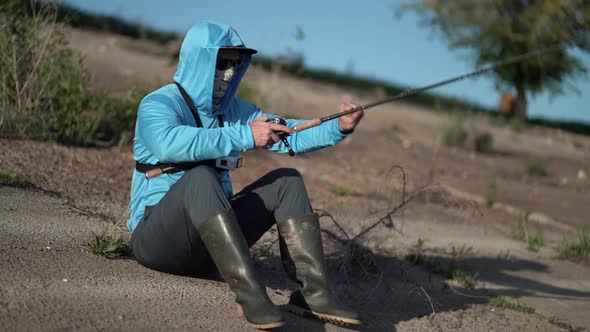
[335,130]
[249,135]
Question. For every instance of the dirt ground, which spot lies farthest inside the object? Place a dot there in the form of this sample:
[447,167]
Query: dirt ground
[391,292]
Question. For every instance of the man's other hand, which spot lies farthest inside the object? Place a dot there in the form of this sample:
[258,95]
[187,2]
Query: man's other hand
[347,123]
[264,132]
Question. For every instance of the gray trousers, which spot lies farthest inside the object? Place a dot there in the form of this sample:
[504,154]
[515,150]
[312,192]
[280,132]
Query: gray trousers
[167,239]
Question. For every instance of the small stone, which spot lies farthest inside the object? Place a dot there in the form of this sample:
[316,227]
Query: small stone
[48,248]
[406,143]
[64,280]
[582,175]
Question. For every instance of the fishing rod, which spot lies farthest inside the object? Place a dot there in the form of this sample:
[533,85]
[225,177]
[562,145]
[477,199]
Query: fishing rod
[409,92]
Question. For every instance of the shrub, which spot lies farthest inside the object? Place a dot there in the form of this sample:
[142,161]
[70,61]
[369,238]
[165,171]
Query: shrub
[11,179]
[535,168]
[491,191]
[117,122]
[453,133]
[484,143]
[516,125]
[108,244]
[577,249]
[521,232]
[502,302]
[536,241]
[461,252]
[44,85]
[44,90]
[342,191]
[465,278]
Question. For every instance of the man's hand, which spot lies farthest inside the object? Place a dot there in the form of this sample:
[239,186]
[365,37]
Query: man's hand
[347,123]
[264,132]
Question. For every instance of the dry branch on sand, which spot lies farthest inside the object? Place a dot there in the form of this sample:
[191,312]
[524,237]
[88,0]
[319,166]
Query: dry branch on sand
[352,258]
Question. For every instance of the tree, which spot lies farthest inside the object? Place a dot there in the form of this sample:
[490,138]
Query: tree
[497,29]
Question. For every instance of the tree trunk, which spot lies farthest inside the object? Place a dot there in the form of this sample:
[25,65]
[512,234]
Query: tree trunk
[520,108]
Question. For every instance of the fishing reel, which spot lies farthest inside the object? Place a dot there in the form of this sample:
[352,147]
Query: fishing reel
[282,135]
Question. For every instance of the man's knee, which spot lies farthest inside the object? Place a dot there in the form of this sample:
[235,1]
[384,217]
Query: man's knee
[202,175]
[290,178]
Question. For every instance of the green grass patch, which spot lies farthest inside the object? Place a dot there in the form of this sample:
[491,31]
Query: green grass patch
[516,125]
[536,242]
[535,168]
[340,190]
[491,190]
[108,244]
[564,325]
[431,264]
[505,254]
[448,268]
[503,303]
[521,232]
[454,133]
[461,252]
[580,248]
[466,278]
[484,143]
[11,179]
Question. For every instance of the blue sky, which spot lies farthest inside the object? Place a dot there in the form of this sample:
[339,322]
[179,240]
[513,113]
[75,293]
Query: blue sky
[366,37]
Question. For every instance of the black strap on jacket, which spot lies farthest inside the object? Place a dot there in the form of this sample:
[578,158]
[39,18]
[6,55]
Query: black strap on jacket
[177,167]
[193,109]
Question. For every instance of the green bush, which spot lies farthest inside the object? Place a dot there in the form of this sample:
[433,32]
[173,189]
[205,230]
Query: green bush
[342,191]
[453,133]
[504,303]
[576,249]
[118,115]
[535,168]
[483,143]
[44,84]
[465,278]
[108,244]
[491,191]
[44,91]
[11,179]
[516,125]
[520,231]
[536,242]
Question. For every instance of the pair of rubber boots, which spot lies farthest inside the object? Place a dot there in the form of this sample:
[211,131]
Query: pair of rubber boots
[303,258]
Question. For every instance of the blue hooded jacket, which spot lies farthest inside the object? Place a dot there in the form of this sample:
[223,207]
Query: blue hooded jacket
[166,131]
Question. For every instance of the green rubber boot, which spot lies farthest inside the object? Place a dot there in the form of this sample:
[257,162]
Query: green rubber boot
[225,242]
[303,258]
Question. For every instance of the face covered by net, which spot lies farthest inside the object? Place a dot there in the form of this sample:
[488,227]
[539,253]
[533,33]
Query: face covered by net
[224,74]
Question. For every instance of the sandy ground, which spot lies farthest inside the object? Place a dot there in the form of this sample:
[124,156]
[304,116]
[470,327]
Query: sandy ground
[49,282]
[393,294]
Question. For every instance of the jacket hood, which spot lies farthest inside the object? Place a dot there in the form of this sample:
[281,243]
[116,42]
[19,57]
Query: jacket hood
[196,66]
